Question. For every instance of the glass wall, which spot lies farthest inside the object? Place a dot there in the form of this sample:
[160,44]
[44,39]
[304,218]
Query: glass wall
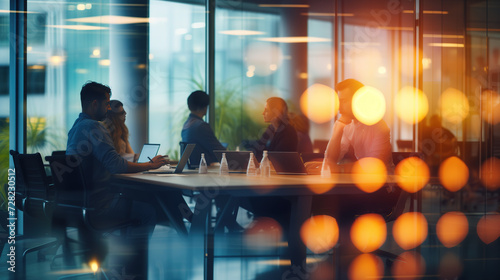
[4,101]
[67,45]
[176,68]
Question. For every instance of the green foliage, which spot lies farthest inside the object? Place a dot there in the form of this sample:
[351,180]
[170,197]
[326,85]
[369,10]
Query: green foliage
[4,164]
[232,123]
[38,139]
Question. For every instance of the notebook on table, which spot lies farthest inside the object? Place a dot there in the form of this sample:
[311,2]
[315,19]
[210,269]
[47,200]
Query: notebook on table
[236,160]
[148,152]
[180,166]
[287,163]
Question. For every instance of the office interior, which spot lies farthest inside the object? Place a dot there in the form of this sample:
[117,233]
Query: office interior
[430,62]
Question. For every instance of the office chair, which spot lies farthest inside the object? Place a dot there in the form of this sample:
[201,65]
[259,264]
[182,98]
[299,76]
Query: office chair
[36,194]
[72,187]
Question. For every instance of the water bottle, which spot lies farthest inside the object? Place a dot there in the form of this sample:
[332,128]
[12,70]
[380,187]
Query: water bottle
[265,166]
[251,169]
[325,169]
[203,165]
[224,168]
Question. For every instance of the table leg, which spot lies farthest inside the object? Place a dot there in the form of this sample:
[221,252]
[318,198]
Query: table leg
[201,236]
[300,212]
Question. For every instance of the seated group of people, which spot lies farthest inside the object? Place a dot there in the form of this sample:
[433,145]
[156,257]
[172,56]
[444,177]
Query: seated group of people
[104,149]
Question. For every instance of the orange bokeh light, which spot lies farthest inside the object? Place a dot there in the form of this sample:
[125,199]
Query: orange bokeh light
[369,174]
[490,106]
[320,233]
[488,228]
[368,232]
[452,228]
[366,266]
[410,230]
[319,103]
[411,105]
[412,266]
[263,233]
[413,173]
[453,174]
[490,173]
[368,105]
[454,105]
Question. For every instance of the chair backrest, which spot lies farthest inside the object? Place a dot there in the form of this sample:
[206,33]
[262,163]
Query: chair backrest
[20,184]
[35,188]
[35,178]
[69,180]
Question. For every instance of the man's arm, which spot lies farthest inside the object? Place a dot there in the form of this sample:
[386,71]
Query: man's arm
[333,149]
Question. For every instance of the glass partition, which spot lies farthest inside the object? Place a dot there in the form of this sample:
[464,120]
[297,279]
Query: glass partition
[176,68]
[4,101]
[67,45]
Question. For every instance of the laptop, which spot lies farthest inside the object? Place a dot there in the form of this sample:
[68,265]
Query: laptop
[148,151]
[236,160]
[180,166]
[287,163]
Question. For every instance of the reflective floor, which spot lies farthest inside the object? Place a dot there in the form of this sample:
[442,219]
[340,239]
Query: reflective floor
[240,255]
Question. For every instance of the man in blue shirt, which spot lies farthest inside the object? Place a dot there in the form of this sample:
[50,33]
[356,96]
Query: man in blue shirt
[90,141]
[197,131]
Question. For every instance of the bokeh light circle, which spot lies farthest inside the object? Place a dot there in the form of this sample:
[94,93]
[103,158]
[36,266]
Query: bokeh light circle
[368,232]
[413,173]
[411,105]
[368,105]
[453,174]
[410,230]
[452,228]
[320,233]
[490,106]
[369,174]
[454,105]
[488,227]
[366,266]
[263,233]
[490,173]
[319,103]
[411,267]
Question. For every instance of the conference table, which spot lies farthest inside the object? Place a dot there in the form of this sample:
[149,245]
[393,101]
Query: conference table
[298,189]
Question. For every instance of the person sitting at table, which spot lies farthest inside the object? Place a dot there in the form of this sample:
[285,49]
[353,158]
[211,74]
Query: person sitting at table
[348,132]
[279,135]
[197,131]
[115,123]
[90,141]
[364,141]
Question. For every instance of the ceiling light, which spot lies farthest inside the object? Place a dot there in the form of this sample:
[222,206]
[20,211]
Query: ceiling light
[77,27]
[328,14]
[16,12]
[446,45]
[427,12]
[396,28]
[283,6]
[241,32]
[297,39]
[110,20]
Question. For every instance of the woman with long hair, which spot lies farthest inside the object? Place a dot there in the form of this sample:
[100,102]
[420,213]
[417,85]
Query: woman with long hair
[115,123]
